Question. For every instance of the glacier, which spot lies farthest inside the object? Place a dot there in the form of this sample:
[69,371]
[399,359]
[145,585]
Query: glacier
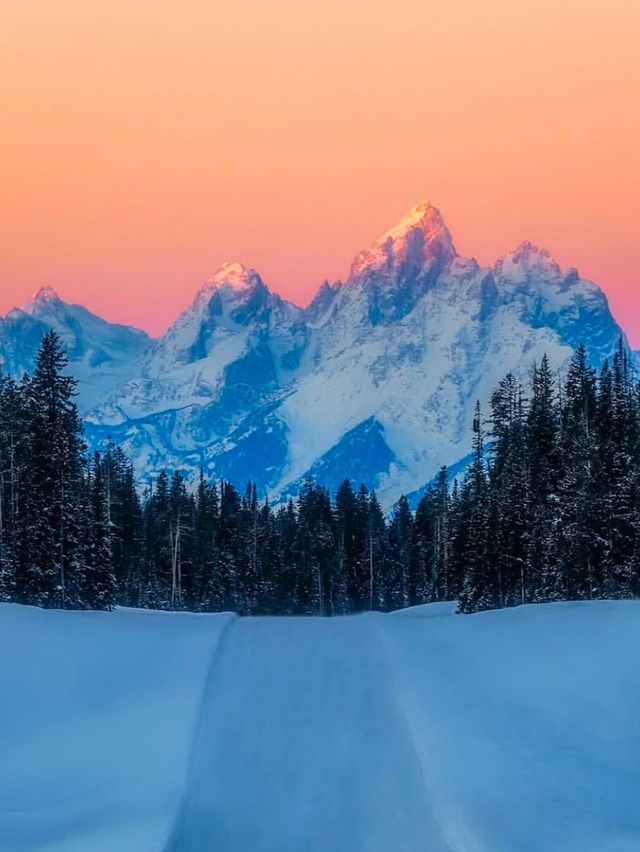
[375,379]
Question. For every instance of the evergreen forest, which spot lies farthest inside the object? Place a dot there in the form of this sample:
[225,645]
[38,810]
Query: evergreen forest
[548,509]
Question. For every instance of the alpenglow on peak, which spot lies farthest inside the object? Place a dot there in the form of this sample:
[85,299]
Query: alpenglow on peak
[419,239]
[231,272]
[232,276]
[40,301]
[45,294]
[424,216]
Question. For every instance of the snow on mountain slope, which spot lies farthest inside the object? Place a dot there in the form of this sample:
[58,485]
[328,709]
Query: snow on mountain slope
[207,388]
[417,334]
[419,730]
[247,385]
[549,297]
[233,320]
[102,354]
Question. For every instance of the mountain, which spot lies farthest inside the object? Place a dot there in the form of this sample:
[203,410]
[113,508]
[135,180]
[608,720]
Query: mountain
[414,336]
[205,391]
[376,379]
[103,354]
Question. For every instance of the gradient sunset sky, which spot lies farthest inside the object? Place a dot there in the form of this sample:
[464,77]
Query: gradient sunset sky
[143,143]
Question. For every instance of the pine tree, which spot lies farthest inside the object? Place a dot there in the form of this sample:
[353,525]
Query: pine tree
[14,436]
[544,575]
[351,525]
[459,532]
[157,571]
[480,586]
[50,566]
[99,591]
[287,579]
[375,552]
[230,548]
[622,499]
[180,533]
[442,586]
[422,561]
[319,589]
[398,556]
[125,517]
[508,477]
[207,586]
[252,580]
[578,508]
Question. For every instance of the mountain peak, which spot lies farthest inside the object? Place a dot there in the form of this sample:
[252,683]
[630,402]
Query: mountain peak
[527,249]
[235,276]
[45,294]
[419,239]
[232,272]
[424,216]
[527,256]
[232,277]
[43,299]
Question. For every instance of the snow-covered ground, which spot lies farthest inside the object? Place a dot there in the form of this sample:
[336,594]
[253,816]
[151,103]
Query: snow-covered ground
[508,731]
[96,719]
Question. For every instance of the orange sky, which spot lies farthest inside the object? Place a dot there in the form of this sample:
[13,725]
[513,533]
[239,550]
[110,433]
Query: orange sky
[142,143]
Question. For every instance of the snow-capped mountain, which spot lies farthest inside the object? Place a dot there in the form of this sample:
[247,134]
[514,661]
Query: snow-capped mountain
[233,320]
[376,379]
[414,336]
[103,354]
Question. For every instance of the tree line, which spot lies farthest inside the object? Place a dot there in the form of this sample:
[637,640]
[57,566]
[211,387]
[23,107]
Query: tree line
[549,509]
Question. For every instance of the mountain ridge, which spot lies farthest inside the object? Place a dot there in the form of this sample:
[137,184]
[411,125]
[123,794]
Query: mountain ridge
[234,276]
[385,364]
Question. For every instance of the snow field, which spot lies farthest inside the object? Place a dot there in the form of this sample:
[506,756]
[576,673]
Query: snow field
[96,717]
[507,731]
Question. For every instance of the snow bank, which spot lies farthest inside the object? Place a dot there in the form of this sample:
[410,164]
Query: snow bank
[526,723]
[511,731]
[96,716]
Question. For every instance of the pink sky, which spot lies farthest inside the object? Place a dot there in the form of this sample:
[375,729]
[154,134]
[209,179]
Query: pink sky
[144,143]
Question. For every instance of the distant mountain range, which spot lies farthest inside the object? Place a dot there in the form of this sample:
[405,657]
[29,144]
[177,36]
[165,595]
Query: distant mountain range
[375,380]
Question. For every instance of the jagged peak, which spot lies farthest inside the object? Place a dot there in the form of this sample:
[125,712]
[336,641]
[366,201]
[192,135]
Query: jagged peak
[419,237]
[529,255]
[40,303]
[232,276]
[234,273]
[528,249]
[44,295]
[424,216]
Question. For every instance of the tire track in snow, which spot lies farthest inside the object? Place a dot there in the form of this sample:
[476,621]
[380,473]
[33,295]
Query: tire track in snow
[301,746]
[396,690]
[207,690]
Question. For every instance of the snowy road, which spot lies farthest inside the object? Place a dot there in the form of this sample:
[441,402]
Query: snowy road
[509,731]
[301,746]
